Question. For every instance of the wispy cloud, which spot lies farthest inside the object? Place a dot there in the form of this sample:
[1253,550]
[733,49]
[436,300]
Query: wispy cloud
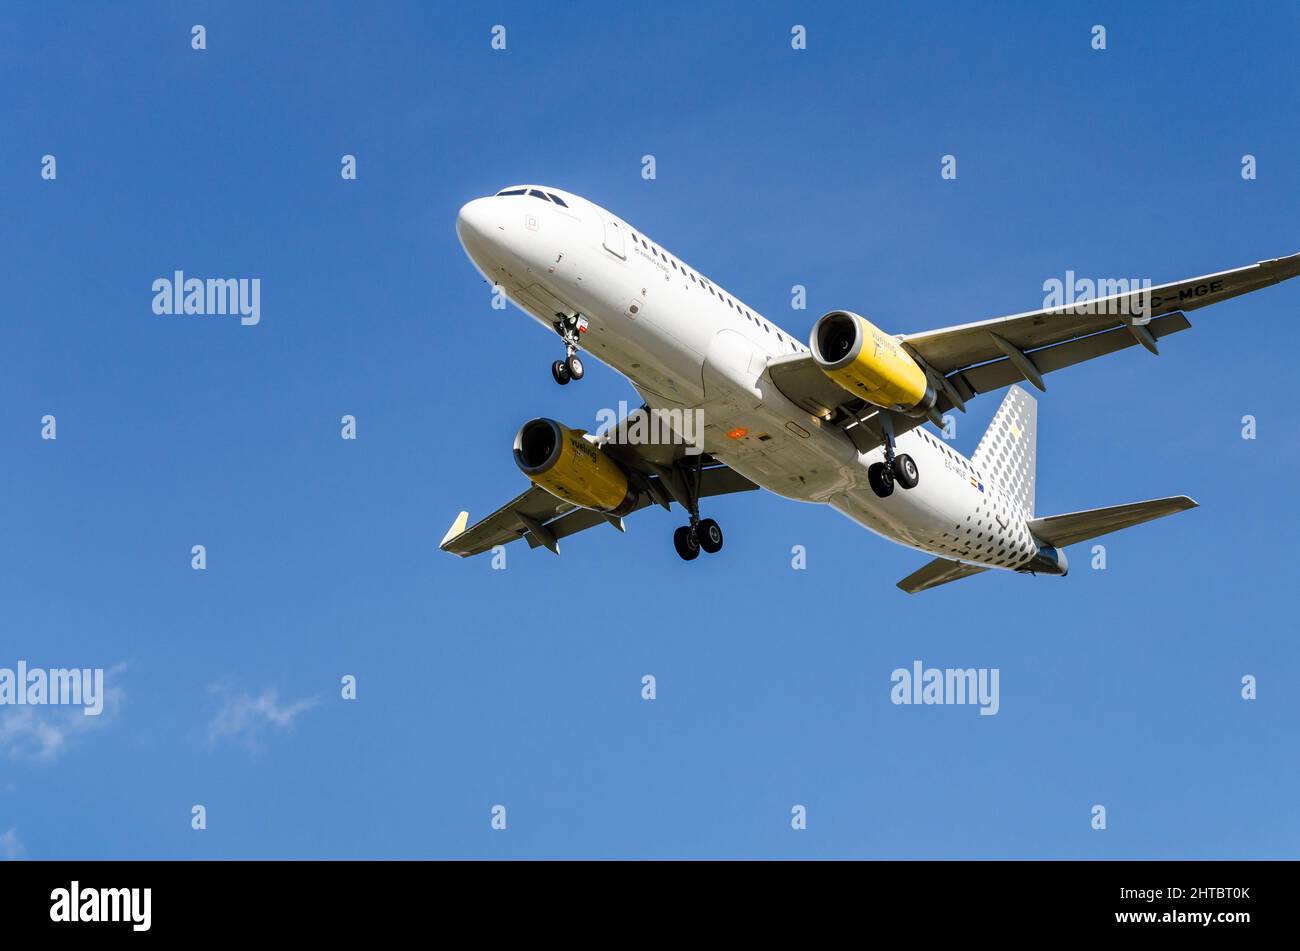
[43,732]
[246,718]
[11,847]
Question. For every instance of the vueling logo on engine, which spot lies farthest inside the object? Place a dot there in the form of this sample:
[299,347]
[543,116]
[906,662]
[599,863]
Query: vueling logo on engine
[581,446]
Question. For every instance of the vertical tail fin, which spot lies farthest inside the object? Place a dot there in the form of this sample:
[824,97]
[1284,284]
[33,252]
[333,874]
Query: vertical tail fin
[1008,449]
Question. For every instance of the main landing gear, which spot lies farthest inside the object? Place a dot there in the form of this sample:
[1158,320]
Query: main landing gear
[700,533]
[570,368]
[900,469]
[704,535]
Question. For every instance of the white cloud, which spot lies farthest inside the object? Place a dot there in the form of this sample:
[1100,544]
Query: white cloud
[246,718]
[11,848]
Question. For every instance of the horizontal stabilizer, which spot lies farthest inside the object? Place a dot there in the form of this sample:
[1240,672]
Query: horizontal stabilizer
[940,571]
[1062,530]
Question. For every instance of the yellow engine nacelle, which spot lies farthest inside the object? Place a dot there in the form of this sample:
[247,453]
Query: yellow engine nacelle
[869,363]
[566,465]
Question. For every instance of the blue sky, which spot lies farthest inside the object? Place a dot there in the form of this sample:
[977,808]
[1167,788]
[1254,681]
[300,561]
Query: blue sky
[522,687]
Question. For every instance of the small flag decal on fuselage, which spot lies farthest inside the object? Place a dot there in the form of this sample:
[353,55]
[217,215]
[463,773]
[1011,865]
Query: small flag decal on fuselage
[976,484]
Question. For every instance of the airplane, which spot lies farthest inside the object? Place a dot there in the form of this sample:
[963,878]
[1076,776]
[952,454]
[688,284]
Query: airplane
[837,421]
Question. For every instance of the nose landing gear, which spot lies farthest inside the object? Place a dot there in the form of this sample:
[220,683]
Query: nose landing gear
[566,370]
[570,368]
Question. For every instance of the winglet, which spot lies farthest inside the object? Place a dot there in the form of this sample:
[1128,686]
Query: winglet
[457,528]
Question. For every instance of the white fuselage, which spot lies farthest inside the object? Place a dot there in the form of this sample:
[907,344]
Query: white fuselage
[684,342]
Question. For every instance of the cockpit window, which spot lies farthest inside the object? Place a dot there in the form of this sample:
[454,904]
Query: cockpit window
[535,193]
[558,200]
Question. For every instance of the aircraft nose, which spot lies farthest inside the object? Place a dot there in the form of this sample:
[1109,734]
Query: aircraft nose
[474,221]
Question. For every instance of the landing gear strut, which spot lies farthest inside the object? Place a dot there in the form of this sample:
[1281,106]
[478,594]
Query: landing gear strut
[570,368]
[896,469]
[700,533]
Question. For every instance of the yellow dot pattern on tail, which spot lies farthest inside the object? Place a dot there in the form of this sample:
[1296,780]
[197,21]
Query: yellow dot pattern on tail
[1006,453]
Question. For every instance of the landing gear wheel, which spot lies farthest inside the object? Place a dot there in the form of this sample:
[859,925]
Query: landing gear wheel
[569,326]
[881,478]
[905,472]
[710,536]
[687,543]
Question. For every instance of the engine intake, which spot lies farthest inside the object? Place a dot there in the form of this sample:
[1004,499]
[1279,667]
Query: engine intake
[870,364]
[571,468]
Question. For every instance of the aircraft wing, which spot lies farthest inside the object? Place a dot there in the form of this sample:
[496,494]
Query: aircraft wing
[974,358]
[1056,335]
[543,519]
